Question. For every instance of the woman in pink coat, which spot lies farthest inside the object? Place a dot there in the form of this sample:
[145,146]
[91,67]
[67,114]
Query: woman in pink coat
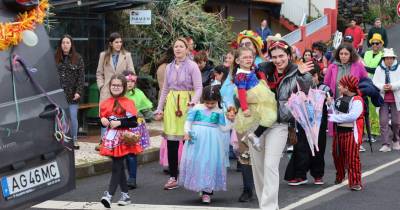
[346,62]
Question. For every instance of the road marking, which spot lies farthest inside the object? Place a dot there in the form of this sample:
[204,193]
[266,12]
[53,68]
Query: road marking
[52,204]
[335,187]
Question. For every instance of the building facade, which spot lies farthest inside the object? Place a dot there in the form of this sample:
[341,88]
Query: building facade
[248,14]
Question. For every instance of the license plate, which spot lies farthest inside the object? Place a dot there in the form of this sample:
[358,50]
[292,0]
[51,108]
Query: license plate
[30,180]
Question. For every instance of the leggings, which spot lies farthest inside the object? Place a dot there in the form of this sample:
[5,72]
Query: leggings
[173,147]
[118,176]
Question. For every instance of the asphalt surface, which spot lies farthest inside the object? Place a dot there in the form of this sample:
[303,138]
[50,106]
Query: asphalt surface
[381,188]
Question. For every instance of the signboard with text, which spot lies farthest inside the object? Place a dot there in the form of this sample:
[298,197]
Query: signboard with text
[140,17]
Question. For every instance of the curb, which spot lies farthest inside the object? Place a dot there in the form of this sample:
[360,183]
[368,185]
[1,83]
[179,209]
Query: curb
[104,166]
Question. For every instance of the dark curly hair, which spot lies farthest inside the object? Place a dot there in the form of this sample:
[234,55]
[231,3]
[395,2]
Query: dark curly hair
[353,54]
[319,46]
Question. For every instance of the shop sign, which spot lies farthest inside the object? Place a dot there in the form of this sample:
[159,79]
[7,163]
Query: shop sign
[140,17]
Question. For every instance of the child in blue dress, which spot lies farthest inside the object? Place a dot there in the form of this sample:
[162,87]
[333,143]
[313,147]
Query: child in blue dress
[203,166]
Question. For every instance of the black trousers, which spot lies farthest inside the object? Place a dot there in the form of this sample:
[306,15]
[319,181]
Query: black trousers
[247,177]
[173,147]
[118,176]
[302,160]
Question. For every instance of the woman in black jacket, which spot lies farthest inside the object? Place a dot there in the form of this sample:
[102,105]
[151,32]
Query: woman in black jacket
[72,76]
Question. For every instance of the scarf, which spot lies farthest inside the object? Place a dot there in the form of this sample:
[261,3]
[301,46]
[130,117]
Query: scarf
[388,69]
[178,76]
[276,79]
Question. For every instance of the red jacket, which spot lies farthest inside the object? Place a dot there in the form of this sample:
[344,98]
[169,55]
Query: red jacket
[357,33]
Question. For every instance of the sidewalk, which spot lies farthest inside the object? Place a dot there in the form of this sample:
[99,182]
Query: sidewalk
[88,162]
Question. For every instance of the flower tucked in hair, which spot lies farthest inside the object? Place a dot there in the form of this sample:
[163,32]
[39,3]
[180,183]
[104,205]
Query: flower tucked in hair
[131,77]
[253,36]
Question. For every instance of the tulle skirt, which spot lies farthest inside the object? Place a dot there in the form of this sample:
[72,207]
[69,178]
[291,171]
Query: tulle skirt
[263,107]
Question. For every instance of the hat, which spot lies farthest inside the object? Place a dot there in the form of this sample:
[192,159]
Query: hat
[277,37]
[376,37]
[253,36]
[348,38]
[351,82]
[388,52]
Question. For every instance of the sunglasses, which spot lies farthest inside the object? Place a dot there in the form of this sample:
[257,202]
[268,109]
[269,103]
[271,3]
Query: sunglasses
[375,43]
[247,44]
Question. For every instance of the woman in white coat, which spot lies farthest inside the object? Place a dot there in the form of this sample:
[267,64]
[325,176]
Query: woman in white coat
[387,79]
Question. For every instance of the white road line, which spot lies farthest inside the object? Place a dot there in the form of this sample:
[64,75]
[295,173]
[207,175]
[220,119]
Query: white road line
[335,187]
[51,204]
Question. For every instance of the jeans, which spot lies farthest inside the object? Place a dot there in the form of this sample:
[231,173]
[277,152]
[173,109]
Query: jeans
[131,162]
[73,111]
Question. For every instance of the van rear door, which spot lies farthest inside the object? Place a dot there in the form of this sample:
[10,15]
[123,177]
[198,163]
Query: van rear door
[34,166]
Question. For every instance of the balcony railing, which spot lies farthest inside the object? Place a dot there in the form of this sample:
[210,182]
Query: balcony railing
[293,37]
[316,25]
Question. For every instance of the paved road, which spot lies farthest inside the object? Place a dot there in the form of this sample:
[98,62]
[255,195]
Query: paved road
[381,186]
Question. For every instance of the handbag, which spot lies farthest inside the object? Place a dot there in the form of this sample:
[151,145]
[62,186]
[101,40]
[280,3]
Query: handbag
[129,137]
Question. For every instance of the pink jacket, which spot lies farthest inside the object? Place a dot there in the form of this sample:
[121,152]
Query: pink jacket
[357,69]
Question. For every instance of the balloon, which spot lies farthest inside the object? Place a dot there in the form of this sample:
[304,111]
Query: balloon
[29,38]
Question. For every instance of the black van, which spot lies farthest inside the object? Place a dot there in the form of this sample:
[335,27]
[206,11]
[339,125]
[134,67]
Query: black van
[34,165]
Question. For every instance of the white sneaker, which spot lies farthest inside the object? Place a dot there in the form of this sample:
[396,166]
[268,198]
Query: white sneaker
[290,149]
[106,200]
[255,141]
[124,200]
[396,146]
[385,148]
[362,149]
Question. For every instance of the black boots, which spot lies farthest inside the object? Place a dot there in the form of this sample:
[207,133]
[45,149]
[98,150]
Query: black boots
[131,183]
[246,196]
